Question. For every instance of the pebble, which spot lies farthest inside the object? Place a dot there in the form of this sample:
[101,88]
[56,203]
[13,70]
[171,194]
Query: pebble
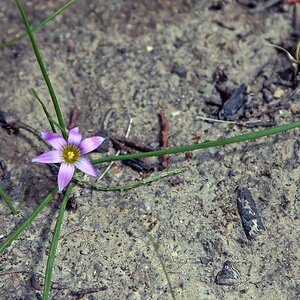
[134,296]
[267,94]
[180,71]
[228,275]
[251,219]
[149,48]
[278,93]
[233,103]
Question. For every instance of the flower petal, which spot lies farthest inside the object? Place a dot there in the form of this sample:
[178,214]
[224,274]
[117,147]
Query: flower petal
[65,174]
[90,144]
[86,166]
[74,136]
[54,139]
[50,157]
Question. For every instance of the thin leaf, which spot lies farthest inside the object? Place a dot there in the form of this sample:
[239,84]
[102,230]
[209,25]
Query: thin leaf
[132,185]
[42,67]
[28,221]
[34,132]
[35,94]
[204,145]
[163,266]
[51,17]
[53,247]
[7,201]
[58,126]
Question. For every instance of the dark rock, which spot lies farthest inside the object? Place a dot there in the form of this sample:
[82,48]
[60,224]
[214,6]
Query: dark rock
[234,102]
[267,94]
[228,275]
[251,219]
[180,71]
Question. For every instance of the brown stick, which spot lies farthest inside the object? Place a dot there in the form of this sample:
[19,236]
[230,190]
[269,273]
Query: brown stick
[134,144]
[73,118]
[271,110]
[119,146]
[163,139]
[137,164]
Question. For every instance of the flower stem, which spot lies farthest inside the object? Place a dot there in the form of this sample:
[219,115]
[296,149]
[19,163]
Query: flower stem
[28,221]
[42,67]
[7,201]
[35,94]
[131,185]
[53,247]
[34,132]
[204,145]
[51,17]
[162,263]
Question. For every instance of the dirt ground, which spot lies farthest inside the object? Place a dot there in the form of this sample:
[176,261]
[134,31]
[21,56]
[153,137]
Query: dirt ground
[137,59]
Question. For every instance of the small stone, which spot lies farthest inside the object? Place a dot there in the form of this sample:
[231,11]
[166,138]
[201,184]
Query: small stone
[176,113]
[267,95]
[233,103]
[180,71]
[149,48]
[278,93]
[116,171]
[293,109]
[36,283]
[205,260]
[251,219]
[228,275]
[178,43]
[134,296]
[84,249]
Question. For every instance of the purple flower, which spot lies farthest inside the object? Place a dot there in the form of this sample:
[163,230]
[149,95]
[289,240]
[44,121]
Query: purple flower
[69,154]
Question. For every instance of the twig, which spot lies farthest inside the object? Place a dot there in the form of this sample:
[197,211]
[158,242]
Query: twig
[227,122]
[260,7]
[291,1]
[290,57]
[136,164]
[118,152]
[134,144]
[270,110]
[73,118]
[82,292]
[164,139]
[120,146]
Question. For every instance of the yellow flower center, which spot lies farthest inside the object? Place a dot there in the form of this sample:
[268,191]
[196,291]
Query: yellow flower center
[70,154]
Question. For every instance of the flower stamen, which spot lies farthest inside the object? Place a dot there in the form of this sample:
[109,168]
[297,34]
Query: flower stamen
[70,154]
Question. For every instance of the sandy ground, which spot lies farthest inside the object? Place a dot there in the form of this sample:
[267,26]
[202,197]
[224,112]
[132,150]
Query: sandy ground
[139,58]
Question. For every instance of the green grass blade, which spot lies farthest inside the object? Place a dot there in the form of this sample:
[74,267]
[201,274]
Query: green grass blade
[7,201]
[132,185]
[51,17]
[54,243]
[28,221]
[204,145]
[35,94]
[58,126]
[163,266]
[34,132]
[42,67]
